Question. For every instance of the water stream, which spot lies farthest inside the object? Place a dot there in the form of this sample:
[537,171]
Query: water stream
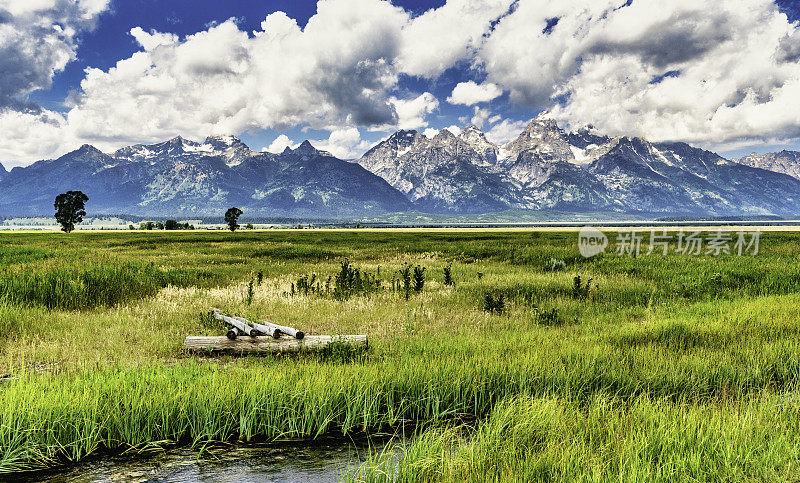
[314,461]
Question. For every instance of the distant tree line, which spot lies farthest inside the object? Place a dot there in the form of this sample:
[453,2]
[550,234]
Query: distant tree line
[167,225]
[70,209]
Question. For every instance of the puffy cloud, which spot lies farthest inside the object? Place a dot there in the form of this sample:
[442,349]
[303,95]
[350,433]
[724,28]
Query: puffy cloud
[343,143]
[456,130]
[707,72]
[505,131]
[430,132]
[280,144]
[336,71]
[39,133]
[151,40]
[437,39]
[469,93]
[411,113]
[37,39]
[711,72]
[480,116]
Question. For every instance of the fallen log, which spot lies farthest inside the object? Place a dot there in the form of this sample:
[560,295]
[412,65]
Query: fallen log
[270,328]
[265,345]
[233,333]
[237,323]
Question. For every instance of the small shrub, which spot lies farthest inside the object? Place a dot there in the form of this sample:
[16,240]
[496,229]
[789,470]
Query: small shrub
[419,278]
[404,280]
[250,293]
[547,317]
[305,284]
[555,265]
[494,303]
[351,281]
[448,274]
[579,289]
[308,284]
[208,321]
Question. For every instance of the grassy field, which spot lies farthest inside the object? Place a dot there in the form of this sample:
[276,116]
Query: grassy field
[664,368]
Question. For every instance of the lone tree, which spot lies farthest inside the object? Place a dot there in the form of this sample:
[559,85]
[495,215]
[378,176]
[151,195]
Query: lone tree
[70,209]
[232,218]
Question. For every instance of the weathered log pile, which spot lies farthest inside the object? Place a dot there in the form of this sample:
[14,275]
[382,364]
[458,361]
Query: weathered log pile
[265,337]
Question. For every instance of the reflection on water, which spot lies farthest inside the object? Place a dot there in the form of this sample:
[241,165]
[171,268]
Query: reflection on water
[317,461]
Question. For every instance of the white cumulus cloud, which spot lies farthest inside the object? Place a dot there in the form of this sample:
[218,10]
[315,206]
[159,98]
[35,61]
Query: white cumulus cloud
[708,72]
[505,131]
[437,39]
[343,143]
[711,72]
[469,93]
[456,130]
[411,113]
[480,116]
[430,132]
[280,144]
[38,38]
[151,40]
[336,71]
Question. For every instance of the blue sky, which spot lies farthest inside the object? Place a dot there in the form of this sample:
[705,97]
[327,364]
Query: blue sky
[111,40]
[346,73]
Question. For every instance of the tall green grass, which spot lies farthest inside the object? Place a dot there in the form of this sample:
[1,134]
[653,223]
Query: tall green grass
[80,287]
[65,417]
[604,439]
[657,356]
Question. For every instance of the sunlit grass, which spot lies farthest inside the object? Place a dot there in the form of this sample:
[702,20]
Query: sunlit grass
[93,326]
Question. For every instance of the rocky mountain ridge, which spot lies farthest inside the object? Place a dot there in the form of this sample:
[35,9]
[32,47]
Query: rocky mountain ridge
[543,168]
[546,167]
[786,162]
[179,177]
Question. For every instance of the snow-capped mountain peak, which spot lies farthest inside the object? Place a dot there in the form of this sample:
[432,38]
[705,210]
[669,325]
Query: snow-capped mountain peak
[786,162]
[230,148]
[305,151]
[544,167]
[476,139]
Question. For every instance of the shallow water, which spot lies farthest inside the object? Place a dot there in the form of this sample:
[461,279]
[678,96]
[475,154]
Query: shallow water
[317,461]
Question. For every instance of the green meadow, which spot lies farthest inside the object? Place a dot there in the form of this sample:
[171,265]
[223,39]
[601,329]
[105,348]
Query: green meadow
[527,363]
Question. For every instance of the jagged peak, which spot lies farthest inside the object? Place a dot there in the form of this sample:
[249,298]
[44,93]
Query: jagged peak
[539,122]
[403,137]
[443,135]
[306,146]
[306,149]
[632,142]
[87,149]
[404,133]
[176,142]
[223,139]
[471,128]
[472,132]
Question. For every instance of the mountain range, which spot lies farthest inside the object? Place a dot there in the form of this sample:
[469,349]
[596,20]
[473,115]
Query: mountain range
[544,168]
